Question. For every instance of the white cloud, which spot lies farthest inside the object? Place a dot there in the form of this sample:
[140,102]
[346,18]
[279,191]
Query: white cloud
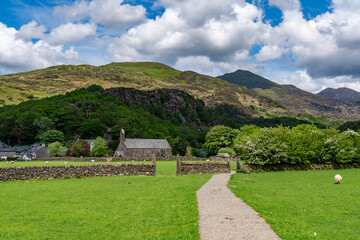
[70,33]
[269,52]
[17,54]
[110,13]
[222,31]
[32,30]
[327,46]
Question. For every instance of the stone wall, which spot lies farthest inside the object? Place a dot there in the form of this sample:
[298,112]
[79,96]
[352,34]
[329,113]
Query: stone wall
[284,167]
[202,167]
[74,159]
[96,170]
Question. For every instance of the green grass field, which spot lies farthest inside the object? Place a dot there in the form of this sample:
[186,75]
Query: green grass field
[131,207]
[298,204]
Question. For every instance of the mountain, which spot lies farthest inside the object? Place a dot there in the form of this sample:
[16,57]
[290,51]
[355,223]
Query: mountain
[15,88]
[248,79]
[344,94]
[295,99]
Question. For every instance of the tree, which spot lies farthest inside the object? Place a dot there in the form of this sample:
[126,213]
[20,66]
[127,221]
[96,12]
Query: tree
[44,124]
[91,128]
[51,136]
[180,146]
[218,137]
[100,147]
[56,149]
[79,149]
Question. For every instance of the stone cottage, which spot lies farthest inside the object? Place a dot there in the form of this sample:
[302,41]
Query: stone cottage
[130,147]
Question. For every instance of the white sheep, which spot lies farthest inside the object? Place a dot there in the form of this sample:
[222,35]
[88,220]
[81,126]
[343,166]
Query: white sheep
[338,178]
[65,163]
[92,160]
[12,162]
[47,162]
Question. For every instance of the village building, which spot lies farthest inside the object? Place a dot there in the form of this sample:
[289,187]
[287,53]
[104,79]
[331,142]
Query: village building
[40,151]
[131,147]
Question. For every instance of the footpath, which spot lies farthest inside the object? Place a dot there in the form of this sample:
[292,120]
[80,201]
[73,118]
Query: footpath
[223,216]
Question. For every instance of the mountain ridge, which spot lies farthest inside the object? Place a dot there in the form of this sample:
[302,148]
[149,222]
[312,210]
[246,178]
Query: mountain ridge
[297,100]
[343,93]
[15,88]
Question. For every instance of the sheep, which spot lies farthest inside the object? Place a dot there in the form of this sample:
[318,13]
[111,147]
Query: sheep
[92,160]
[47,162]
[65,163]
[12,162]
[337,179]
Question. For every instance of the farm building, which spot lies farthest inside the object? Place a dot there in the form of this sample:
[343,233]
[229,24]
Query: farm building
[131,147]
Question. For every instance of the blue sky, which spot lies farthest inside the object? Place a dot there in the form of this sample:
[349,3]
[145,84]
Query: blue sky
[310,44]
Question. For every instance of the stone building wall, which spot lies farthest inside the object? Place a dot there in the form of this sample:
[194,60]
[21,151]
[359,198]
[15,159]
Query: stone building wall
[97,170]
[147,152]
[202,167]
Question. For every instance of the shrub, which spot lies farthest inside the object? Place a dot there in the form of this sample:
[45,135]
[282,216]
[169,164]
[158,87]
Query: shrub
[229,151]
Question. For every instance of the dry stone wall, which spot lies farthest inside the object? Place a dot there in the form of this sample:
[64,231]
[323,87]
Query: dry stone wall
[96,170]
[284,167]
[202,167]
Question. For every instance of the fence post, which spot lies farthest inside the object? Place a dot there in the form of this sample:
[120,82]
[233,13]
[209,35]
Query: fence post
[154,163]
[229,162]
[178,166]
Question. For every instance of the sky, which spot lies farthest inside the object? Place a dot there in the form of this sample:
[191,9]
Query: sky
[310,44]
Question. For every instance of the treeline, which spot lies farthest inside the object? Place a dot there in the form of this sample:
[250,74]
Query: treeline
[87,114]
[303,144]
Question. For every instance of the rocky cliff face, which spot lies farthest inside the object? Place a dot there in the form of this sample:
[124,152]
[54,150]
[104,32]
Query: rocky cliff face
[190,110]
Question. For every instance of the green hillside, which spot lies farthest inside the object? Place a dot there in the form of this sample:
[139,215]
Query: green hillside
[15,88]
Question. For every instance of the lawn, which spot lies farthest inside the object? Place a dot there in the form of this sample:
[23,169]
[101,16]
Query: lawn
[300,204]
[131,207]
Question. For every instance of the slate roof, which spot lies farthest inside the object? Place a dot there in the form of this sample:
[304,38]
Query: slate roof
[10,149]
[3,145]
[37,148]
[147,143]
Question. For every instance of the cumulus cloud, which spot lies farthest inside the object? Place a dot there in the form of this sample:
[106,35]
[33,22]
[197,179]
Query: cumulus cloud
[110,13]
[326,46]
[17,54]
[222,32]
[70,33]
[32,30]
[269,52]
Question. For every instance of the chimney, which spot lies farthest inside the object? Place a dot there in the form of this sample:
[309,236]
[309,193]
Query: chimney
[122,135]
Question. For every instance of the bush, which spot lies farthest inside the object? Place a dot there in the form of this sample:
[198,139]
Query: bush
[219,137]
[229,151]
[56,149]
[79,149]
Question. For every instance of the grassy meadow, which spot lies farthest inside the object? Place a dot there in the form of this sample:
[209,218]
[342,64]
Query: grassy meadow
[298,204]
[131,207]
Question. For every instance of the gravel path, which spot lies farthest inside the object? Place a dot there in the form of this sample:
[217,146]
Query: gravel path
[225,216]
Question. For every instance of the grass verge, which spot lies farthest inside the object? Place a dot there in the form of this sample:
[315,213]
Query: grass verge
[298,204]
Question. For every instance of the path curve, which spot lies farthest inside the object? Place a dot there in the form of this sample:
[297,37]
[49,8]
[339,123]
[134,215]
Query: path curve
[225,216]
